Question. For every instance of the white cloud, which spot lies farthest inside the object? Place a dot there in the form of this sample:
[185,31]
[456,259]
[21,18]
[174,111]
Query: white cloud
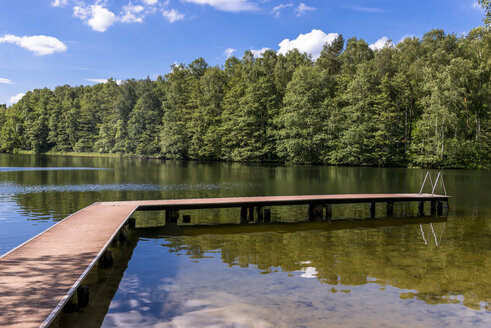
[16,98]
[81,12]
[96,16]
[39,44]
[150,2]
[302,9]
[381,43]
[309,272]
[258,53]
[311,43]
[228,5]
[59,3]
[102,80]
[276,10]
[5,81]
[228,52]
[172,15]
[132,14]
[407,36]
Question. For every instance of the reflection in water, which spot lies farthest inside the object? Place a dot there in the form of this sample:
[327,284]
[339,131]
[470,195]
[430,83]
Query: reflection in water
[356,273]
[433,232]
[26,168]
[15,189]
[344,253]
[406,271]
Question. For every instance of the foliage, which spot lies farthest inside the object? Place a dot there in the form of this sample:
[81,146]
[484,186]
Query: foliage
[419,103]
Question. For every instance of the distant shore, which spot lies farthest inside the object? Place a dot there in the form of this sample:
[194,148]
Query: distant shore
[160,157]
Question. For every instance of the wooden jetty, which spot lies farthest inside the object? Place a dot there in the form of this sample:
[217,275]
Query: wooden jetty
[44,274]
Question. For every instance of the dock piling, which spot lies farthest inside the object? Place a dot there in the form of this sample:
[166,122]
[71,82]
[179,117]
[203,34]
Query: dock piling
[328,208]
[171,216]
[433,207]
[83,296]
[267,215]
[107,259]
[260,214]
[421,208]
[439,208]
[123,234]
[372,210]
[315,212]
[186,219]
[243,215]
[390,209]
[251,214]
[72,304]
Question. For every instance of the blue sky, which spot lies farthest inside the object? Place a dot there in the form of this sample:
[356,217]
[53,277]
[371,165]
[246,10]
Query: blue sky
[46,43]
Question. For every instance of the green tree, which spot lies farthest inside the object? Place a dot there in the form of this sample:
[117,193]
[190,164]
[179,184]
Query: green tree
[303,135]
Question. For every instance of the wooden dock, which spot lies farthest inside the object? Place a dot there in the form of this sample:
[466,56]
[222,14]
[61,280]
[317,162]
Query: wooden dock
[39,277]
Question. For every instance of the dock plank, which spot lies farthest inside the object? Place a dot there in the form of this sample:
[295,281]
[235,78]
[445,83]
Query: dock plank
[37,277]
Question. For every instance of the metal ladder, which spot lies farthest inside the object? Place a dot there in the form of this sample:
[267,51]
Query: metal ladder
[439,177]
[433,187]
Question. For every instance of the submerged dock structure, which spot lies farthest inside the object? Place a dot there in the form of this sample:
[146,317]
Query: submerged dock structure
[44,275]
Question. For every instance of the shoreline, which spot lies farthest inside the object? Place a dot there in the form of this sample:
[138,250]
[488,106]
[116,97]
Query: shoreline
[157,157]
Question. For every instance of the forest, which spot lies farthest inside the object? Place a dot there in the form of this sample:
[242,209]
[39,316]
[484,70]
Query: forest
[420,103]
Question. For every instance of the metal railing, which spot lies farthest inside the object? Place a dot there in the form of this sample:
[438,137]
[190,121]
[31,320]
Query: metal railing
[439,177]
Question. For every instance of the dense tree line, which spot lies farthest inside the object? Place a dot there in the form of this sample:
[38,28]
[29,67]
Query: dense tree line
[422,102]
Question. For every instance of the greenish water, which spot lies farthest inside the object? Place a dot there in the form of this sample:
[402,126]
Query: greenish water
[352,272]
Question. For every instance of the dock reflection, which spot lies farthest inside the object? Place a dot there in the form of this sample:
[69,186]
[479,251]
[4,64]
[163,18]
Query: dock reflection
[408,253]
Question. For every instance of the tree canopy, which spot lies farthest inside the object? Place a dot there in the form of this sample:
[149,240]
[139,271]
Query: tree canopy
[423,102]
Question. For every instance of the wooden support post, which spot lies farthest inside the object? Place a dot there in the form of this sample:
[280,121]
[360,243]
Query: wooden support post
[72,304]
[390,209]
[243,215]
[123,234]
[260,215]
[439,208]
[421,208]
[251,213]
[106,260]
[186,219]
[132,223]
[267,215]
[328,208]
[171,216]
[315,212]
[372,210]
[83,296]
[433,207]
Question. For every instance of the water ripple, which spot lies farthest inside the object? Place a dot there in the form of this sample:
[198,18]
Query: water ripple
[68,168]
[9,189]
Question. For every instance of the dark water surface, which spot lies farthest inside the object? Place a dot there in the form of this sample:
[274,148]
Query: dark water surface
[352,272]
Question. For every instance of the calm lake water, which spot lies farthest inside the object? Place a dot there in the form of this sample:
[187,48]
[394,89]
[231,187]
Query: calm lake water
[352,272]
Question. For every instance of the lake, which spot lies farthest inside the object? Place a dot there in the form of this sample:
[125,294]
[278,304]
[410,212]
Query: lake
[351,272]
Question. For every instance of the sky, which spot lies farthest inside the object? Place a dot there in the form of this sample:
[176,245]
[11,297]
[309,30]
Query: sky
[47,43]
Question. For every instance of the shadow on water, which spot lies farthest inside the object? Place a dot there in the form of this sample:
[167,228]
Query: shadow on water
[103,282]
[335,253]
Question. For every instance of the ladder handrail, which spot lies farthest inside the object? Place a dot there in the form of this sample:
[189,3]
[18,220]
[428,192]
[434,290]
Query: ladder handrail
[433,185]
[424,181]
[440,175]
